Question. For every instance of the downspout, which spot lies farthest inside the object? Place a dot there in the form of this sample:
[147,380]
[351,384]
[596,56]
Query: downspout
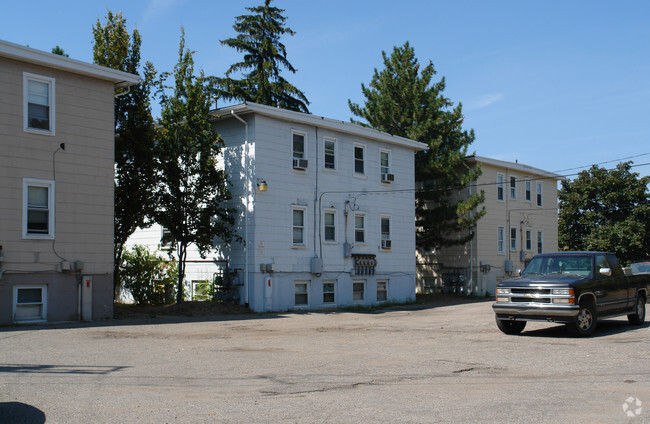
[247,194]
[471,241]
[317,213]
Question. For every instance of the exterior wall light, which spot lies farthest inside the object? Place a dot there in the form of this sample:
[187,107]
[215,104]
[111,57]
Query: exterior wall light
[262,185]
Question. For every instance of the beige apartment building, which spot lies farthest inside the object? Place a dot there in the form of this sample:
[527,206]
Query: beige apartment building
[520,221]
[56,186]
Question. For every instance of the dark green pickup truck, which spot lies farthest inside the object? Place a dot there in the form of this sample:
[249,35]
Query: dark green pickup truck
[575,288]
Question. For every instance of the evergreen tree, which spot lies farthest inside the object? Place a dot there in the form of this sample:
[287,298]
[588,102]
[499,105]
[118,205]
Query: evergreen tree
[134,131]
[606,210]
[264,58]
[191,189]
[58,50]
[403,100]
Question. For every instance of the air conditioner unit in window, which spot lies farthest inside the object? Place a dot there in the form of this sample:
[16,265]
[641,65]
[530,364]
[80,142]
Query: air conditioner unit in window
[385,244]
[300,164]
[387,178]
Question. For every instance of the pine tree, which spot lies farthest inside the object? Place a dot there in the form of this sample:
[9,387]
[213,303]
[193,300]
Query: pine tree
[134,131]
[402,100]
[191,189]
[264,57]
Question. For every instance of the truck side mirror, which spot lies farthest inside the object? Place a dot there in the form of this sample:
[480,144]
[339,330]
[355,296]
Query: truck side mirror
[607,272]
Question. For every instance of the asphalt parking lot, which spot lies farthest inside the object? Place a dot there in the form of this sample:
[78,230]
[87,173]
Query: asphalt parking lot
[442,364]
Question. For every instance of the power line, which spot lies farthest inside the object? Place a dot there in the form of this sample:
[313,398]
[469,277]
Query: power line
[601,163]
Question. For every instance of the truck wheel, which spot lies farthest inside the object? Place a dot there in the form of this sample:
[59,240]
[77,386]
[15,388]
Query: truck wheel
[585,323]
[511,327]
[638,316]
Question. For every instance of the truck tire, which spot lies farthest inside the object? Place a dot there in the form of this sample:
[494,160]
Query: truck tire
[638,317]
[585,323]
[511,327]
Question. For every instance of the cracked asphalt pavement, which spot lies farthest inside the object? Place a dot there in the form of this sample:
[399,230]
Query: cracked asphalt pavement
[438,364]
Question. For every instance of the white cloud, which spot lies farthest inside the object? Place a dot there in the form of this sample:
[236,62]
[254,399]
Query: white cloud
[485,101]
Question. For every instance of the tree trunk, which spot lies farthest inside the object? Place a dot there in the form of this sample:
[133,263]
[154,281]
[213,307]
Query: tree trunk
[182,255]
[117,262]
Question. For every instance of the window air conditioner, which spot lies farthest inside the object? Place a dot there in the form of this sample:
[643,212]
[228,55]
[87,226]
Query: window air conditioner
[385,244]
[387,178]
[300,164]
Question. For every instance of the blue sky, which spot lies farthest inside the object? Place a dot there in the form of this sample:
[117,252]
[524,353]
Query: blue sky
[552,84]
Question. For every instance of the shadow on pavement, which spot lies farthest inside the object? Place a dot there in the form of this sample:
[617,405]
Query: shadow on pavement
[20,413]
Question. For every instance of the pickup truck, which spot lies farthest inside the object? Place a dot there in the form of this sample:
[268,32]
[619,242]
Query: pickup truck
[574,288]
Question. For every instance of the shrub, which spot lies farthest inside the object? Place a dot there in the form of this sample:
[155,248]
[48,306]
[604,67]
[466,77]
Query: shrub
[149,277]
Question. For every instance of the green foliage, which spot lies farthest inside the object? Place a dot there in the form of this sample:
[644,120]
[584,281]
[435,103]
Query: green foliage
[191,188]
[149,277]
[606,210]
[403,100]
[264,57]
[134,130]
[58,50]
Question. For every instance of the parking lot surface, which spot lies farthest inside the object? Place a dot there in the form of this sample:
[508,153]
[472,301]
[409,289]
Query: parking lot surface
[442,364]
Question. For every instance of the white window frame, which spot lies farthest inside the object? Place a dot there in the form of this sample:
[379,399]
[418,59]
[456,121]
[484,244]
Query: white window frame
[501,186]
[539,193]
[304,144]
[512,186]
[540,241]
[363,160]
[335,225]
[49,184]
[385,291]
[514,241]
[529,240]
[363,292]
[306,293]
[43,303]
[333,292]
[363,229]
[333,141]
[382,235]
[51,82]
[529,191]
[384,169]
[501,239]
[303,243]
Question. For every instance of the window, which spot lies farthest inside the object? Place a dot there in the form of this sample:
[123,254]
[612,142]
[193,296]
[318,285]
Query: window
[359,228]
[330,154]
[529,239]
[30,303]
[330,225]
[501,239]
[500,185]
[38,104]
[382,291]
[298,225]
[38,209]
[298,145]
[513,238]
[513,187]
[358,290]
[540,241]
[385,232]
[166,237]
[384,162]
[539,193]
[529,191]
[359,154]
[329,292]
[301,294]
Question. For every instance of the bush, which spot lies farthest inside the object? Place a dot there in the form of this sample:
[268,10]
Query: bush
[150,278]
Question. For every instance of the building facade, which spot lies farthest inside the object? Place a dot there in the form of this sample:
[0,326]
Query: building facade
[56,186]
[520,221]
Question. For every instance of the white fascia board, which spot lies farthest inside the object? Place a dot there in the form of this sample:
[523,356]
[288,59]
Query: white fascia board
[514,166]
[318,121]
[27,54]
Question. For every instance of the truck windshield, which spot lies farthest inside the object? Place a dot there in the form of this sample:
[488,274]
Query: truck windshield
[560,265]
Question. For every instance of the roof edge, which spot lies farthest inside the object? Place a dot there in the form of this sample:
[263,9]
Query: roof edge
[515,166]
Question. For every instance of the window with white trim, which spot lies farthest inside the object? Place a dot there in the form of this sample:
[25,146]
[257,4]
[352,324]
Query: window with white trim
[298,145]
[385,232]
[501,182]
[384,161]
[513,187]
[38,208]
[330,154]
[301,293]
[540,241]
[38,104]
[382,290]
[501,248]
[329,292]
[529,191]
[30,303]
[359,159]
[329,225]
[358,290]
[529,239]
[298,225]
[539,190]
[513,238]
[359,228]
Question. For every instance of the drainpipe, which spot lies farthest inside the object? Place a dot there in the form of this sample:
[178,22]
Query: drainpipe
[471,241]
[247,194]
